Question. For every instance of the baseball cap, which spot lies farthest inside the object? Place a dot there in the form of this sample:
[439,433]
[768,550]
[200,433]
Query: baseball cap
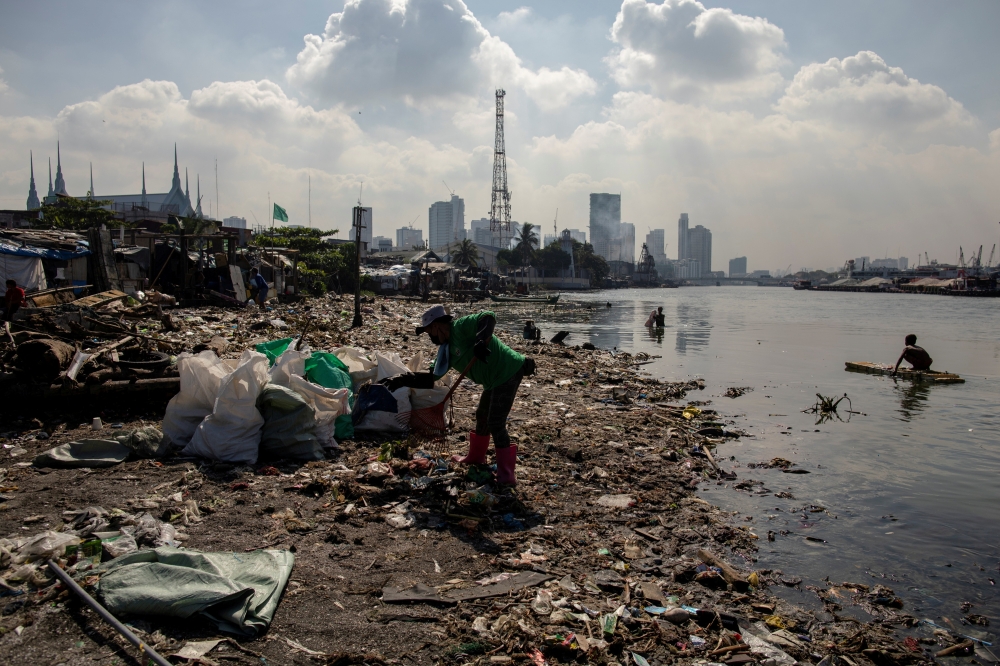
[432,314]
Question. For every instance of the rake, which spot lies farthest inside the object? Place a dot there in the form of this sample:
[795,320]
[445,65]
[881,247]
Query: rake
[431,420]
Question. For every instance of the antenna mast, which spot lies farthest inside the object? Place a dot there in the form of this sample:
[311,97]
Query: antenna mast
[500,199]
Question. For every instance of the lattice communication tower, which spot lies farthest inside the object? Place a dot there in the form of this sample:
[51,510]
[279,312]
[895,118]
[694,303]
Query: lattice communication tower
[500,200]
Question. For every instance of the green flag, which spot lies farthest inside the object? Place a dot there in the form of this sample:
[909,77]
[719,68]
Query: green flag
[280,214]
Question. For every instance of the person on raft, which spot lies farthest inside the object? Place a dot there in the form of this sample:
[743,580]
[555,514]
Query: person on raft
[495,366]
[914,355]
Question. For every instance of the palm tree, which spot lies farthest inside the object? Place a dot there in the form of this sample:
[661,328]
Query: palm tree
[466,253]
[527,240]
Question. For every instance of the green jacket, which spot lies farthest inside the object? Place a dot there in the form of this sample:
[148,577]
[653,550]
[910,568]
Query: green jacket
[502,364]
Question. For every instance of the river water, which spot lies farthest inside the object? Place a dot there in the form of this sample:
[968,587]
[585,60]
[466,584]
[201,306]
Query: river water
[910,487]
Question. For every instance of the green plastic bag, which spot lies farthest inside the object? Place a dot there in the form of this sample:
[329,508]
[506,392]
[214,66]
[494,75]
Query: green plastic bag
[344,427]
[327,370]
[273,348]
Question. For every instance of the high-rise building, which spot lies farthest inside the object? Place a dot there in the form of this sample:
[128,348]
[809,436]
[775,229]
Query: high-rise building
[700,247]
[738,267]
[577,235]
[446,223]
[234,222]
[656,245]
[408,238]
[381,244]
[682,237]
[626,232]
[605,222]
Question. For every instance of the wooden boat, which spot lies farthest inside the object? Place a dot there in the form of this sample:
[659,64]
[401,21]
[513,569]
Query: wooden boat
[904,373]
[550,300]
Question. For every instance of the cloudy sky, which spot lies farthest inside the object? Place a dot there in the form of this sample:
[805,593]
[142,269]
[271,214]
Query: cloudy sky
[801,133]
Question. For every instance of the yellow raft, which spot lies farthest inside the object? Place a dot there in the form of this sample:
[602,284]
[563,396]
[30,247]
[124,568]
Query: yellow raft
[904,373]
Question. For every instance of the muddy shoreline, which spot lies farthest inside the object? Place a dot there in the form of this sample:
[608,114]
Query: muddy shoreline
[604,513]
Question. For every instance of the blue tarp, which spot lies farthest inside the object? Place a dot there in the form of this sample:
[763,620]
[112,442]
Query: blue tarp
[42,252]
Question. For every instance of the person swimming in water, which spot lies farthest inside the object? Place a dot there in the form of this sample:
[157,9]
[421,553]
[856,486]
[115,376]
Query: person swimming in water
[914,355]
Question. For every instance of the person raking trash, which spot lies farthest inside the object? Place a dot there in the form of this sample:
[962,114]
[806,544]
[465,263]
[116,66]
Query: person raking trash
[914,355]
[495,366]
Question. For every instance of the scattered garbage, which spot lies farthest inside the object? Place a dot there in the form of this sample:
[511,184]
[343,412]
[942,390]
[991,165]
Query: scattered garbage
[601,555]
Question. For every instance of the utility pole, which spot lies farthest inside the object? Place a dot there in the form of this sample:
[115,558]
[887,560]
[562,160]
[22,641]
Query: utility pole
[359,219]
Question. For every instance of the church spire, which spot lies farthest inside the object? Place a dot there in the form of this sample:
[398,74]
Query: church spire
[91,180]
[176,183]
[52,192]
[60,182]
[197,210]
[33,203]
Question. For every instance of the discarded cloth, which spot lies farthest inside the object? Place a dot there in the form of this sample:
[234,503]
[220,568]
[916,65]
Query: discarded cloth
[237,592]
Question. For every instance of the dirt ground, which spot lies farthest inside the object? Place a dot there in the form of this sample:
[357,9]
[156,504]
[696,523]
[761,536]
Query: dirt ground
[604,508]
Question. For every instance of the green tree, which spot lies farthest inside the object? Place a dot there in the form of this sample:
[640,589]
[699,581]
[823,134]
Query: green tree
[552,258]
[507,257]
[527,241]
[584,257]
[466,253]
[78,214]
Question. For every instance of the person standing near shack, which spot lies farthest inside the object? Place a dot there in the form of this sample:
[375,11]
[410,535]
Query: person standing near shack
[495,366]
[13,300]
[259,287]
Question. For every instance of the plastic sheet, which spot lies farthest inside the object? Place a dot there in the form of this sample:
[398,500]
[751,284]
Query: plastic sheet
[237,592]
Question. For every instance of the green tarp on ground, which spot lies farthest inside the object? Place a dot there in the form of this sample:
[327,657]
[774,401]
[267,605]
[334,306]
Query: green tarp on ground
[237,592]
[145,442]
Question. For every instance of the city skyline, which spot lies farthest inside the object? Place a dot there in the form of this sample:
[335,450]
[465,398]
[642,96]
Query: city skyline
[795,146]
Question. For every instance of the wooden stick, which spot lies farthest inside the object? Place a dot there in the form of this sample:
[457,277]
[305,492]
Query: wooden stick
[960,647]
[738,582]
[729,648]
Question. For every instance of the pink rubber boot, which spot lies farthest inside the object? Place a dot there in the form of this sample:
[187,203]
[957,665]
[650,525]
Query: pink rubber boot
[478,444]
[506,461]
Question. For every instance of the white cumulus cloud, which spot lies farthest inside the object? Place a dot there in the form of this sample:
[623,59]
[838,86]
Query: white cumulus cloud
[681,49]
[422,51]
[863,92]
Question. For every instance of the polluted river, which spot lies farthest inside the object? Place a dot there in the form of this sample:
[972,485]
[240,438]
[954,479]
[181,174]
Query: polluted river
[902,492]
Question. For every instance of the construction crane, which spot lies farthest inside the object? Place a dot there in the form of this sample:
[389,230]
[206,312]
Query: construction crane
[450,191]
[927,257]
[989,263]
